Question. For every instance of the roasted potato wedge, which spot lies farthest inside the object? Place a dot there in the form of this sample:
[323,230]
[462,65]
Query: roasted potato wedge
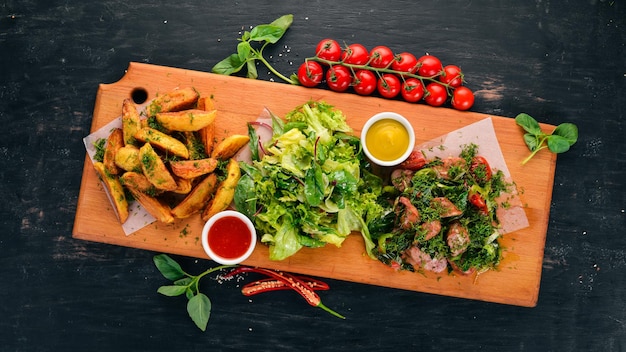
[131,121]
[207,137]
[186,120]
[161,211]
[197,199]
[225,191]
[205,103]
[184,186]
[207,134]
[114,142]
[155,170]
[115,190]
[127,158]
[139,182]
[176,100]
[162,141]
[194,145]
[189,169]
[227,148]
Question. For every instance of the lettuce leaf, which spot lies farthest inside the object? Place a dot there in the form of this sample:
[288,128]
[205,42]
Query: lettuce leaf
[307,189]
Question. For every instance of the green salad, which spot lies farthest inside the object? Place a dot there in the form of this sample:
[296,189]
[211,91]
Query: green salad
[309,185]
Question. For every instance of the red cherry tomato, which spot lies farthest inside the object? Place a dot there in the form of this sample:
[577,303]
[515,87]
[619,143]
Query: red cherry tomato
[436,94]
[355,54]
[462,98]
[404,62]
[381,57]
[310,74]
[412,90]
[452,76]
[364,82]
[429,66]
[328,49]
[389,85]
[338,78]
[480,169]
[478,201]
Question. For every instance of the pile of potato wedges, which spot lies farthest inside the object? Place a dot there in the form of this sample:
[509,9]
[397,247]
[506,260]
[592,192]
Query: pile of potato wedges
[168,159]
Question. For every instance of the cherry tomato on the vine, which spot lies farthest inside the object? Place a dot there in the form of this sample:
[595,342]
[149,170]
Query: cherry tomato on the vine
[381,57]
[364,82]
[404,62]
[462,98]
[429,66]
[436,94]
[310,74]
[412,90]
[338,78]
[452,76]
[389,85]
[355,54]
[328,49]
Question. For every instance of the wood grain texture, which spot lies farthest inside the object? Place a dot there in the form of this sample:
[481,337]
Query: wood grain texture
[239,100]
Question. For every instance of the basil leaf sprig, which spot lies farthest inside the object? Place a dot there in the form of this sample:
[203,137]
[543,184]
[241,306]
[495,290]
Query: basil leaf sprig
[199,304]
[247,54]
[559,141]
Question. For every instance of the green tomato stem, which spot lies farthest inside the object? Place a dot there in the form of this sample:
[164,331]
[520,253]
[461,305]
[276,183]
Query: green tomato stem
[380,71]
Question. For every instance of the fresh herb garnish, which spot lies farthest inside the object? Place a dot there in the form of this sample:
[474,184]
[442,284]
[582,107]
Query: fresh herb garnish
[99,144]
[199,304]
[559,141]
[247,54]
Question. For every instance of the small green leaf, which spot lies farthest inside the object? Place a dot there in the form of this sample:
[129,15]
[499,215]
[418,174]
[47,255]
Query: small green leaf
[283,22]
[172,291]
[252,73]
[314,186]
[199,309]
[531,141]
[569,131]
[278,125]
[558,144]
[243,51]
[168,267]
[245,196]
[528,123]
[189,293]
[183,282]
[229,65]
[266,33]
[253,143]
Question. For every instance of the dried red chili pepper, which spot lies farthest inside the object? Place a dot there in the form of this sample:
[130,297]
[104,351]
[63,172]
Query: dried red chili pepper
[267,285]
[291,281]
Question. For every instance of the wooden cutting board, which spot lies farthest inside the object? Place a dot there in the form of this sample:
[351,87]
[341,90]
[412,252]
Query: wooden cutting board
[239,100]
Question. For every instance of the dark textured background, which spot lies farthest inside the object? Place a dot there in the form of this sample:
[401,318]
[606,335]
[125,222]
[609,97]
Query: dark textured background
[559,61]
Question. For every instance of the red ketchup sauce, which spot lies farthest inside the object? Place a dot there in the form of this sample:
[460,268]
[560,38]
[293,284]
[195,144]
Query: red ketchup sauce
[229,237]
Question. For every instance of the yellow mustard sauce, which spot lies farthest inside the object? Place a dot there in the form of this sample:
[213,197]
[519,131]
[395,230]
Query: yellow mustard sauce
[387,139]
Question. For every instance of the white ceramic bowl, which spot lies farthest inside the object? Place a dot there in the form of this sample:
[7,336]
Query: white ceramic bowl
[211,252]
[388,116]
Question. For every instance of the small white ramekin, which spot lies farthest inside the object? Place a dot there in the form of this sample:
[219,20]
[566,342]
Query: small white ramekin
[205,237]
[388,116]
